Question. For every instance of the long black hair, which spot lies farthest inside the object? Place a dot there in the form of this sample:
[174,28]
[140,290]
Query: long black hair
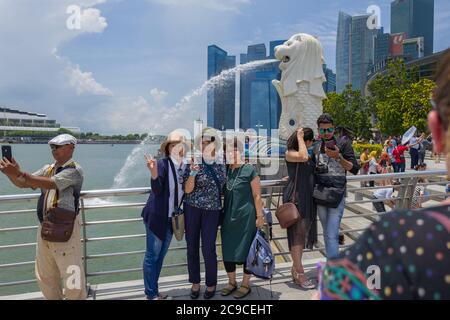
[292,143]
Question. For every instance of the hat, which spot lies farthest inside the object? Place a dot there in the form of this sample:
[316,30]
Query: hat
[63,139]
[210,134]
[174,137]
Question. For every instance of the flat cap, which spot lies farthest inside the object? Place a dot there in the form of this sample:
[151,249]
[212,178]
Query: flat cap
[63,139]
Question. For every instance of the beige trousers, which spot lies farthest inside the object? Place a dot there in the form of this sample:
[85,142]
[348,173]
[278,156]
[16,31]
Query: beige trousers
[60,265]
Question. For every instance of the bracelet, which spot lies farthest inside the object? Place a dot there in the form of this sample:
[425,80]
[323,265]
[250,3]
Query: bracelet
[193,173]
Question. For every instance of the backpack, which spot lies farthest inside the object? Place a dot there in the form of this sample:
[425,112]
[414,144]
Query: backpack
[260,260]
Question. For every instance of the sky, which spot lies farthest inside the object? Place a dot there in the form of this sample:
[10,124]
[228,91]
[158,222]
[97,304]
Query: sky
[128,63]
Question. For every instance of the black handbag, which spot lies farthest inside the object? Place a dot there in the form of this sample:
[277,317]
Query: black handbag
[329,197]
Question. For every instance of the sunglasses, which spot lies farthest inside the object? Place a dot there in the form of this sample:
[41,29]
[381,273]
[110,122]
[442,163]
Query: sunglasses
[211,139]
[324,131]
[55,147]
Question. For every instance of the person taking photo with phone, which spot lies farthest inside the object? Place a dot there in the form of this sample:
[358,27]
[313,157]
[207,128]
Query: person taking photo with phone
[60,183]
[333,158]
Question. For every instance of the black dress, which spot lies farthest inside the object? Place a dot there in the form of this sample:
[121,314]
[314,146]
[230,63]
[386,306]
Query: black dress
[298,235]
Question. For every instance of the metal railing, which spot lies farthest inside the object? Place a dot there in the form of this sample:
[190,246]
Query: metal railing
[272,192]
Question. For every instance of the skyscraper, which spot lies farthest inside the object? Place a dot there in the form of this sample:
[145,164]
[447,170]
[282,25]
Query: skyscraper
[416,19]
[221,99]
[354,51]
[381,49]
[330,84]
[260,106]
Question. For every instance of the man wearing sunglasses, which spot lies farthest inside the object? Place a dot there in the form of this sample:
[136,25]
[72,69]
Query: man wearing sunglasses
[60,184]
[333,158]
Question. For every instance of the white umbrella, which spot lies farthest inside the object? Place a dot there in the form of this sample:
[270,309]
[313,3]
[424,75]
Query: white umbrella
[408,134]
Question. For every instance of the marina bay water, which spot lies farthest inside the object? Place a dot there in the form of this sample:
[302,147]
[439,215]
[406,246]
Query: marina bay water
[100,163]
[105,166]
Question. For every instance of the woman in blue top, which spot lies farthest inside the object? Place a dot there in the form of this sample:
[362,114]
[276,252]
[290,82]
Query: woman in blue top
[204,181]
[166,181]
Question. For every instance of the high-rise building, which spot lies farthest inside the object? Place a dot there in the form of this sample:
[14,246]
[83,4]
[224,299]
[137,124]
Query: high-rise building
[381,46]
[260,106]
[413,48]
[221,99]
[416,19]
[330,84]
[354,51]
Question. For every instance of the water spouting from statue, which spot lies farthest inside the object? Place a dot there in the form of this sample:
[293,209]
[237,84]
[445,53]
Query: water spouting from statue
[128,172]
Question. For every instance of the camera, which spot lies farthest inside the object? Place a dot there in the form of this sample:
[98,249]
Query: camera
[321,168]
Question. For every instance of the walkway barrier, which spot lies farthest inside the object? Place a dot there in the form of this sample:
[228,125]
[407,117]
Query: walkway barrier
[272,191]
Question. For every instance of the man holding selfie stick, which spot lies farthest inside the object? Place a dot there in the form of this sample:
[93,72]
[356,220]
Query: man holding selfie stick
[58,250]
[333,158]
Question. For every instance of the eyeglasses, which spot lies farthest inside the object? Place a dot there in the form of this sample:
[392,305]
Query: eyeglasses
[324,131]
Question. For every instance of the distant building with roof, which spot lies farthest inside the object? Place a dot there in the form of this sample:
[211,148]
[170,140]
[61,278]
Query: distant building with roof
[17,120]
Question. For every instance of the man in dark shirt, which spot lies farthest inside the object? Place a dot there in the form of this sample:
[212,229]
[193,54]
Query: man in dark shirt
[333,159]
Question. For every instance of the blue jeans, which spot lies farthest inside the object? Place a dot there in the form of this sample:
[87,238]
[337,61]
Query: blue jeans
[153,260]
[330,218]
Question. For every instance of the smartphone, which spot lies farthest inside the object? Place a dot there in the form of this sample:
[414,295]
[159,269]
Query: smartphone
[331,144]
[7,152]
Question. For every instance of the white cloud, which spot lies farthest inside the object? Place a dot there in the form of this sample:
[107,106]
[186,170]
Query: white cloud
[92,21]
[84,82]
[216,5]
[158,96]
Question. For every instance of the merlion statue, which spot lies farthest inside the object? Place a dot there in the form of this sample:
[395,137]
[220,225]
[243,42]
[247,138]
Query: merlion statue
[300,88]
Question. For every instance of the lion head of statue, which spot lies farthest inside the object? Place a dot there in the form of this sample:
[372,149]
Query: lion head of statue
[301,60]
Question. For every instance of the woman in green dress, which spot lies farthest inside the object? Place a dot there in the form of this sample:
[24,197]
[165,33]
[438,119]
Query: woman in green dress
[243,215]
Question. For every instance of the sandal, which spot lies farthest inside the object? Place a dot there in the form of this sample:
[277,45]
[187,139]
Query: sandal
[239,294]
[305,284]
[229,289]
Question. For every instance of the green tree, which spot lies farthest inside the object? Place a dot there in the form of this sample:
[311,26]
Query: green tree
[64,130]
[399,100]
[349,109]
[416,104]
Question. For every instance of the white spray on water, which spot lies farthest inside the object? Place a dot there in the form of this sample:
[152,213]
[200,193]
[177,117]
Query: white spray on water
[122,179]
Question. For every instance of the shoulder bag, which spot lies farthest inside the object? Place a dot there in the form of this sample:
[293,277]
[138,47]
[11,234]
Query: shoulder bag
[287,214]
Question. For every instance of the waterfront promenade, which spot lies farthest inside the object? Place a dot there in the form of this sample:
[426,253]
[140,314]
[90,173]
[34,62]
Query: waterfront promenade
[357,217]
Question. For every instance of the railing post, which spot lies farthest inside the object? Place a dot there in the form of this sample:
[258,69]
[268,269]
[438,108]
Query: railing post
[410,192]
[406,192]
[269,199]
[83,219]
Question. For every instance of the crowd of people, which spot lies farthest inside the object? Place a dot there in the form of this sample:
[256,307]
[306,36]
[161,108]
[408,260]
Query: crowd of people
[411,247]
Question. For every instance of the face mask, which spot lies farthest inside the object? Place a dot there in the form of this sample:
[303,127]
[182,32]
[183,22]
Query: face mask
[310,151]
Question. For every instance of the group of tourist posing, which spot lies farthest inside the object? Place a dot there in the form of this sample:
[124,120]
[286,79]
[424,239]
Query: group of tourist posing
[411,247]
[201,184]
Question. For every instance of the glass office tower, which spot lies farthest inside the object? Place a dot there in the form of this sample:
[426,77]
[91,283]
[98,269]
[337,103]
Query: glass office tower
[221,99]
[416,19]
[260,106]
[354,51]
